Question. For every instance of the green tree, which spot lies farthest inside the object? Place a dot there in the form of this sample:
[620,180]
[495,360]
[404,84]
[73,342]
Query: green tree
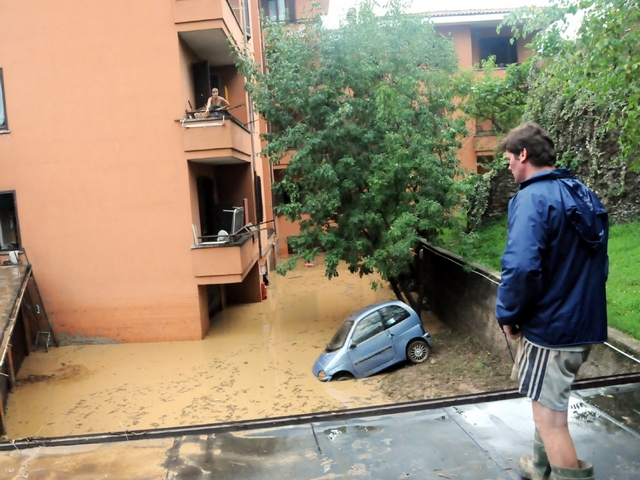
[366,110]
[487,95]
[595,65]
[501,97]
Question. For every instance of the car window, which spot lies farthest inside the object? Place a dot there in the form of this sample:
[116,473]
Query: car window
[393,315]
[368,327]
[341,335]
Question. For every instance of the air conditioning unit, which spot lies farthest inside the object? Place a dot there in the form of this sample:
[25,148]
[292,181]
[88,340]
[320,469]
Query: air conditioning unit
[237,219]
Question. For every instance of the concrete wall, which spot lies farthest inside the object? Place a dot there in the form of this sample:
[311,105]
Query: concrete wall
[465,300]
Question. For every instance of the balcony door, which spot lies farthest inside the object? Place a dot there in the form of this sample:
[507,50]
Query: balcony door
[203,81]
[9,232]
[206,205]
[216,216]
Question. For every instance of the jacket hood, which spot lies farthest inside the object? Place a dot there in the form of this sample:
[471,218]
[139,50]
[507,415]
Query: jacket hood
[583,209]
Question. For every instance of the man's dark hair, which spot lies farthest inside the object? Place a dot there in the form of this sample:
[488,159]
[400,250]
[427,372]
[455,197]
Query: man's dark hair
[535,139]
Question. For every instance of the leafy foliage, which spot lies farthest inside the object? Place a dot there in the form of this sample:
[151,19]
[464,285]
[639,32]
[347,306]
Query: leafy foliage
[596,67]
[366,112]
[582,87]
[495,95]
[498,95]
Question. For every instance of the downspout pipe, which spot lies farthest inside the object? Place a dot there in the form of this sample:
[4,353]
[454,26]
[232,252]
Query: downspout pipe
[245,12]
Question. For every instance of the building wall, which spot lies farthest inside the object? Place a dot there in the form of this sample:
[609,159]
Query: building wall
[461,35]
[96,157]
[286,229]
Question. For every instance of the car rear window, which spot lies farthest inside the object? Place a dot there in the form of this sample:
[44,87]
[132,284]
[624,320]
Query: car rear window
[393,315]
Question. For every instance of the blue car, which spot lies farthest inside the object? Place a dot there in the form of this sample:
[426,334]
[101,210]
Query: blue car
[372,339]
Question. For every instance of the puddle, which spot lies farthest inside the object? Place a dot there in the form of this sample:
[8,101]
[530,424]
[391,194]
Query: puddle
[620,402]
[334,433]
[254,363]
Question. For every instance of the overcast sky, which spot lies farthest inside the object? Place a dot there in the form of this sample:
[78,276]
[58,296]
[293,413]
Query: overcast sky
[338,8]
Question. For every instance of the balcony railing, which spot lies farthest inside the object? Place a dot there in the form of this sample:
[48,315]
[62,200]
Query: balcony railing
[486,142]
[229,262]
[284,161]
[220,137]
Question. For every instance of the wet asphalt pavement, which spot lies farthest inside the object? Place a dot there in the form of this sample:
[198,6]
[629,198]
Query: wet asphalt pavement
[479,441]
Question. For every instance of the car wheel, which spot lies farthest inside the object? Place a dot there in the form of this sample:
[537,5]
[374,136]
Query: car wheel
[342,376]
[418,351]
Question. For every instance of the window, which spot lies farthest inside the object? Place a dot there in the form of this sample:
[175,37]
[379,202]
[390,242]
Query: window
[9,232]
[247,20]
[393,315]
[206,205]
[500,47]
[341,335]
[3,110]
[240,10]
[279,197]
[367,328]
[484,163]
[276,10]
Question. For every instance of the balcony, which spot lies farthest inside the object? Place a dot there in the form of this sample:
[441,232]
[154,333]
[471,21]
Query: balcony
[485,144]
[304,7]
[205,25]
[284,161]
[228,263]
[216,140]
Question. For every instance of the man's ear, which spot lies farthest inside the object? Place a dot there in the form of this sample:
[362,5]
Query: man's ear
[524,155]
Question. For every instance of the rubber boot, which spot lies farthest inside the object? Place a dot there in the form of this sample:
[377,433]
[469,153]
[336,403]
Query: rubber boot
[584,472]
[536,466]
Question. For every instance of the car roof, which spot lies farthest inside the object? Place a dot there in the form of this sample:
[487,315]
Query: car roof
[374,306]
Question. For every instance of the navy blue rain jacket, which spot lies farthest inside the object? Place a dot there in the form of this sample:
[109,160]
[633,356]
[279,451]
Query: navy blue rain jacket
[555,265]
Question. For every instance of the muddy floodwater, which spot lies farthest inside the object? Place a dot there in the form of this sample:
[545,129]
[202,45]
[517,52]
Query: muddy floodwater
[255,362]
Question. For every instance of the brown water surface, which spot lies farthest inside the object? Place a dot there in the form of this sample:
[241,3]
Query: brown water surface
[255,362]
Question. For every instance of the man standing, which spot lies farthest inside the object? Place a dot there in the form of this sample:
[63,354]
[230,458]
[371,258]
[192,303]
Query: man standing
[552,295]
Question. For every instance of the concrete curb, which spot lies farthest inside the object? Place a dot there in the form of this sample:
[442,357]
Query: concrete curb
[624,342]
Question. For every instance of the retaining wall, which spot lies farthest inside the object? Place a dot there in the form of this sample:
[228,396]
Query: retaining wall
[463,297]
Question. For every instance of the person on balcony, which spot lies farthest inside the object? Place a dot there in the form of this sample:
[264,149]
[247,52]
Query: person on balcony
[216,105]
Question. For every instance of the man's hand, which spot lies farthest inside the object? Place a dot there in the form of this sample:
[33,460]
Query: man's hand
[512,331]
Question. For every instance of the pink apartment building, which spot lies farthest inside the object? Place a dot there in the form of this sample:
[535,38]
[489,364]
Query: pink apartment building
[140,221]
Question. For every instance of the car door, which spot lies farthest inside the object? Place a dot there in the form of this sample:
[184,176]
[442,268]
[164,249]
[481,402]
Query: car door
[371,346]
[396,321]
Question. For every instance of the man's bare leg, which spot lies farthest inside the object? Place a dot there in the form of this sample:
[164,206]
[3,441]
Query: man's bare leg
[554,431]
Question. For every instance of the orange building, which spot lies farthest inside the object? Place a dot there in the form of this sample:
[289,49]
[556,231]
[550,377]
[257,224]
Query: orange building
[475,38]
[141,221]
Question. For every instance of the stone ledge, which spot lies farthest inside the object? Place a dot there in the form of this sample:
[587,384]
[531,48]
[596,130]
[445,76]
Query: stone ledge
[624,342]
